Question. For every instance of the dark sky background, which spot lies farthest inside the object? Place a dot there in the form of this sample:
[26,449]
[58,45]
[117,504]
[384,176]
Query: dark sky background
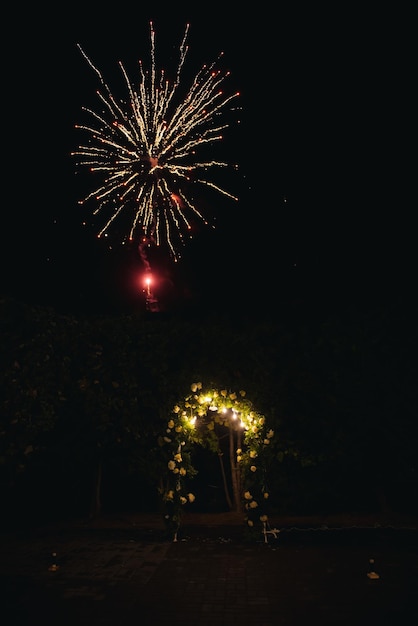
[326,215]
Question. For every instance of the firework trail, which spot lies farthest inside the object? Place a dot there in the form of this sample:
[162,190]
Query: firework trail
[145,152]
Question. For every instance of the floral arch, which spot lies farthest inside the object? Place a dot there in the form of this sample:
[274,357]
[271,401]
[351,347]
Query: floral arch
[195,420]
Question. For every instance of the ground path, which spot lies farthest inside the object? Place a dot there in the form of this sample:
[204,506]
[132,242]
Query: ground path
[120,570]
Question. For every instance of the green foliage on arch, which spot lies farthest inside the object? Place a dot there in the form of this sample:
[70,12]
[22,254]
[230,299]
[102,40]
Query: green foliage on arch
[192,422]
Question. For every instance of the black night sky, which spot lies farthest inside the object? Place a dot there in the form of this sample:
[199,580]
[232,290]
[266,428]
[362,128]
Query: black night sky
[326,210]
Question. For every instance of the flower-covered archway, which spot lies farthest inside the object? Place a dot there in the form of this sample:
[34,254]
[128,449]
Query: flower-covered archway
[195,421]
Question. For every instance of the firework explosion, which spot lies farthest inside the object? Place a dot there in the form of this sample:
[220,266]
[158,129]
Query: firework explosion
[145,152]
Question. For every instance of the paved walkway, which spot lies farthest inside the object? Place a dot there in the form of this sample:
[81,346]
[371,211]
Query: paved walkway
[125,576]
